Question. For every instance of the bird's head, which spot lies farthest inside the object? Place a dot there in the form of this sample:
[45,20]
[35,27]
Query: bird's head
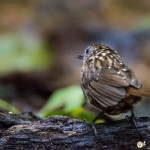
[92,49]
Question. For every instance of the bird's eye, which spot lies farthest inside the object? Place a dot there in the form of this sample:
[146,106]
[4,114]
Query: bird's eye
[87,51]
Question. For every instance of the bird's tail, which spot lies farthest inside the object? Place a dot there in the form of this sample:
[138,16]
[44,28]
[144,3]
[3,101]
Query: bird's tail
[139,92]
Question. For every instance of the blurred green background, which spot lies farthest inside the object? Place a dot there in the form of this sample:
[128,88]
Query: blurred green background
[39,42]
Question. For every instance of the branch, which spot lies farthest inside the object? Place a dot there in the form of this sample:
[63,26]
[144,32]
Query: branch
[26,131]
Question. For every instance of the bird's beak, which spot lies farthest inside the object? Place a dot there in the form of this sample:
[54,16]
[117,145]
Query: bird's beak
[80,57]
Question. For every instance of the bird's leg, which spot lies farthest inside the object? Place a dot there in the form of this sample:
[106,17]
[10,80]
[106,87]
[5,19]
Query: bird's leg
[97,117]
[133,120]
[100,115]
[92,125]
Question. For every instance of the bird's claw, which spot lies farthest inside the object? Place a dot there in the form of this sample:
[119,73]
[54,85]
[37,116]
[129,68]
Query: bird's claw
[92,125]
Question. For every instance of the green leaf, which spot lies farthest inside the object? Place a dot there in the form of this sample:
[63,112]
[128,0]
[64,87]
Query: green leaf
[6,106]
[69,99]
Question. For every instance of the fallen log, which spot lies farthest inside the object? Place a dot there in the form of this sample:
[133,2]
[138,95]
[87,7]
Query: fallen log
[26,131]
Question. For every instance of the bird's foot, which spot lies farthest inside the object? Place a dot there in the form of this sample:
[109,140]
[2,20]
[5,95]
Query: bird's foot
[92,125]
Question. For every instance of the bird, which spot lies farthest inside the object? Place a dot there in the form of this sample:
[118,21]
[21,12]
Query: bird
[108,83]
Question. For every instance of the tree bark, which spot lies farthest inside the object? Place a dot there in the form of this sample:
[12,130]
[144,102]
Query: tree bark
[28,132]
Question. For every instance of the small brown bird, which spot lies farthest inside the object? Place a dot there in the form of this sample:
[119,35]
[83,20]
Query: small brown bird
[107,82]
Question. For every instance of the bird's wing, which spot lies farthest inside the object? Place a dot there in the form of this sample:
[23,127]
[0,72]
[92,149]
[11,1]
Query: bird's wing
[106,87]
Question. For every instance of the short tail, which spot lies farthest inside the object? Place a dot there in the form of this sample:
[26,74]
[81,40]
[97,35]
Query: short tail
[138,92]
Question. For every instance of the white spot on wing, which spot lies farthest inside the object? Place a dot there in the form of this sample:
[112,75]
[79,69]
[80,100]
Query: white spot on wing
[103,54]
[118,72]
[124,69]
[123,78]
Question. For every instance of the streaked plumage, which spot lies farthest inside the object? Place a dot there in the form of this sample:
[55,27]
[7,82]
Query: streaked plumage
[106,80]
